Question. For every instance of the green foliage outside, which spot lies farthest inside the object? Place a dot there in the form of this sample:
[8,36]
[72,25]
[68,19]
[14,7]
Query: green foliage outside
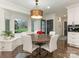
[19,30]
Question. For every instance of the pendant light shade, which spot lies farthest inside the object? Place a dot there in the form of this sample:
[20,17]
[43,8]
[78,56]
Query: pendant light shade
[36,13]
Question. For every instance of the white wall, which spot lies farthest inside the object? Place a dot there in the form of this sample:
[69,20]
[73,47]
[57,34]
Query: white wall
[2,21]
[57,26]
[29,25]
[37,25]
[51,16]
[12,15]
[55,22]
[64,19]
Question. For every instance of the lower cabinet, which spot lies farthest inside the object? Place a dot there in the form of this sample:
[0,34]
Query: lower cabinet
[5,46]
[10,45]
[11,54]
[73,39]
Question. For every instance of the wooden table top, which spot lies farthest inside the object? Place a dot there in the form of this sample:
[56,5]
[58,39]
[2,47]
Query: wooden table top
[36,38]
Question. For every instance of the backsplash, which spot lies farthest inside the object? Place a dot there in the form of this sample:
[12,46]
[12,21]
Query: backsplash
[73,28]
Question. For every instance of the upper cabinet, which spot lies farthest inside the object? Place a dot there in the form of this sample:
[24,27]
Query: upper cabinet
[70,16]
[76,16]
[73,15]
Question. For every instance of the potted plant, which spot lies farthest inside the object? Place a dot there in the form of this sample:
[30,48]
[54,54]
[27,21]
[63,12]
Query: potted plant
[7,34]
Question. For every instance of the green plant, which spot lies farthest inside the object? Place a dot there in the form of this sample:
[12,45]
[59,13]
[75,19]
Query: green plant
[7,34]
[19,30]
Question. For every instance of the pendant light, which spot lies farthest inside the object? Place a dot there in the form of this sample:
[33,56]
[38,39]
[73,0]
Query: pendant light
[36,13]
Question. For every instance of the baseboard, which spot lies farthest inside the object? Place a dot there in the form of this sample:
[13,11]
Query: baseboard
[73,46]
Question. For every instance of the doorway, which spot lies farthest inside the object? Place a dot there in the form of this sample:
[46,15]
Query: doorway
[49,25]
[65,28]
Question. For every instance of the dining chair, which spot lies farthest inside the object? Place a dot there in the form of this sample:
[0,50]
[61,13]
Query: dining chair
[27,44]
[52,45]
[51,33]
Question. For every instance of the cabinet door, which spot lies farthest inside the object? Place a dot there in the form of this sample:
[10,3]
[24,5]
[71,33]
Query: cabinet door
[70,16]
[6,46]
[73,39]
[76,15]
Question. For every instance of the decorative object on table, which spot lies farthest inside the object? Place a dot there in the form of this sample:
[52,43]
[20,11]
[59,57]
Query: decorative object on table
[40,34]
[7,34]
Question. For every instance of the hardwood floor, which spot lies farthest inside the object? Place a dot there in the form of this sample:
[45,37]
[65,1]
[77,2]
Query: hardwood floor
[63,51]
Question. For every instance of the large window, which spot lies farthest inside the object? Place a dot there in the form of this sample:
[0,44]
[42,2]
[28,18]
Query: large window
[7,25]
[21,26]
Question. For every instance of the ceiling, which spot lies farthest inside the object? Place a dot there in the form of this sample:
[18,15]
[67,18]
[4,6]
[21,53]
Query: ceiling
[55,5]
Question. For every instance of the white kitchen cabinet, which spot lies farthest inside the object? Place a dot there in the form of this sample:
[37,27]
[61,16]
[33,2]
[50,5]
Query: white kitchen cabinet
[10,45]
[73,15]
[73,39]
[6,46]
[70,16]
[76,15]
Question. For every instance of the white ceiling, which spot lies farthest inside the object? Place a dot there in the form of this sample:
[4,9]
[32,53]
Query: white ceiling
[55,5]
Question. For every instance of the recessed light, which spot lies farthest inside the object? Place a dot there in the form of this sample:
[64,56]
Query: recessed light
[48,7]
